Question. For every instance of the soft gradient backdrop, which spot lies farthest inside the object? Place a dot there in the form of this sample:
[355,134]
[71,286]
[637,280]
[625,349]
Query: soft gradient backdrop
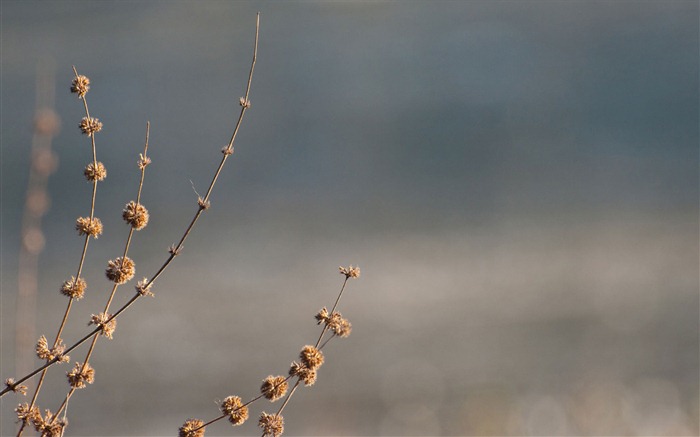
[518,181]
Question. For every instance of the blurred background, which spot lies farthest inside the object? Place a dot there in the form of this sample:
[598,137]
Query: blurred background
[518,181]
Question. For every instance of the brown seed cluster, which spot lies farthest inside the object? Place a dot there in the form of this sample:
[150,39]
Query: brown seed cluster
[90,126]
[45,353]
[306,375]
[350,272]
[106,328]
[94,172]
[81,375]
[80,86]
[192,428]
[136,215]
[120,270]
[233,407]
[271,424]
[26,414]
[89,226]
[144,288]
[49,426]
[16,388]
[74,288]
[274,387]
[144,161]
[335,322]
[311,357]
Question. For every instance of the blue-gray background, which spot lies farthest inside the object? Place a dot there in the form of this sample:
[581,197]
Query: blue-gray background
[518,181]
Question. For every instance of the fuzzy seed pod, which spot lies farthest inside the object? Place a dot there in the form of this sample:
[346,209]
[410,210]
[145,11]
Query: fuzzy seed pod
[90,126]
[16,388]
[142,289]
[135,215]
[81,375]
[26,414]
[89,226]
[80,86]
[95,173]
[306,375]
[311,357]
[189,427]
[44,353]
[233,407]
[74,288]
[120,270]
[271,424]
[350,272]
[106,328]
[49,426]
[274,387]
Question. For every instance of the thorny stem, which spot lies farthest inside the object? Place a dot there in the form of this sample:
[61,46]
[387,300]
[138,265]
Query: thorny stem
[80,264]
[177,248]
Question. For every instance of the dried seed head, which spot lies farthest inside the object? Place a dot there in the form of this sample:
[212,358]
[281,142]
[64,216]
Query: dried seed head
[245,103]
[174,250]
[308,376]
[322,316]
[135,215]
[106,328]
[144,288]
[90,126]
[233,407]
[74,288]
[89,226]
[311,357]
[144,161]
[192,428]
[49,426]
[26,414]
[274,387]
[95,173]
[350,272]
[343,329]
[16,388]
[120,270]
[80,86]
[81,375]
[44,353]
[272,424]
[226,150]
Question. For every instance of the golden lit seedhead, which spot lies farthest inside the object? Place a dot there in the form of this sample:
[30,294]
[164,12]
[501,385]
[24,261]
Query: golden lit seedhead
[81,375]
[90,126]
[74,288]
[244,102]
[308,376]
[136,215]
[144,288]
[89,226]
[322,316]
[344,328]
[49,426]
[274,387]
[80,86]
[144,161]
[311,357]
[106,328]
[26,414]
[16,388]
[233,407]
[192,428]
[120,270]
[226,150]
[271,424]
[350,272]
[95,173]
[45,353]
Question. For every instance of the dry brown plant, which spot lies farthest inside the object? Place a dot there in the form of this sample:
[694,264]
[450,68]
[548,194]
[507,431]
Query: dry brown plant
[122,269]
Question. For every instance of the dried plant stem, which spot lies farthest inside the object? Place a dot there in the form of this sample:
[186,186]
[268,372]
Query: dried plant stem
[335,305]
[80,264]
[115,286]
[203,205]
